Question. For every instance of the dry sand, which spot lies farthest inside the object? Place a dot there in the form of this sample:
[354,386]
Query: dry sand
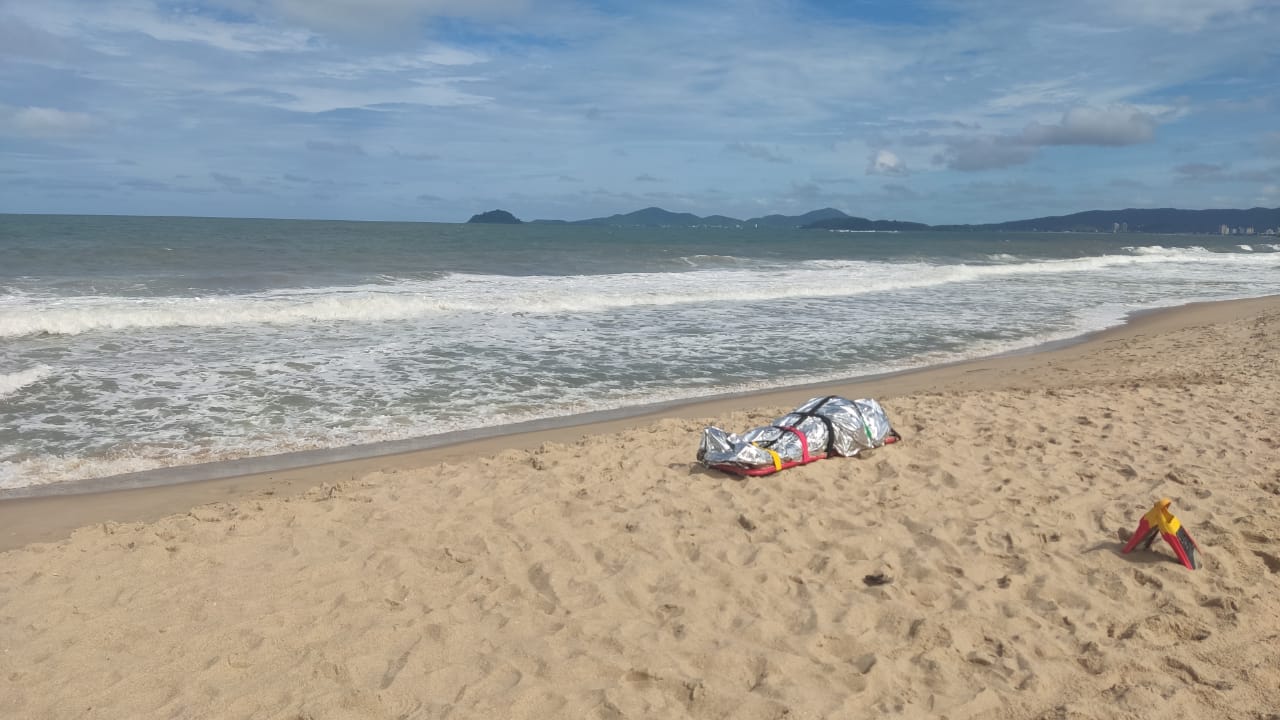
[599,572]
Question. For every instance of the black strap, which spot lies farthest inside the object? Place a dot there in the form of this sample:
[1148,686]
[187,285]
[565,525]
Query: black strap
[813,413]
[782,432]
[831,430]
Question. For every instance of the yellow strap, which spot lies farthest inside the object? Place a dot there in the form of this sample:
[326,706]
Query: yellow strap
[777,459]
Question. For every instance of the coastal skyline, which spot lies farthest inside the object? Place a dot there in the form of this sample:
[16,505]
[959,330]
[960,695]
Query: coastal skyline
[410,110]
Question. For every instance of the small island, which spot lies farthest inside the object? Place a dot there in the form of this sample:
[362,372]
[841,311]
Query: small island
[501,217]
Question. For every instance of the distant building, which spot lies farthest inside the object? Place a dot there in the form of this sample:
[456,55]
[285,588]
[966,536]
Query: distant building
[1115,227]
[1248,231]
[1225,229]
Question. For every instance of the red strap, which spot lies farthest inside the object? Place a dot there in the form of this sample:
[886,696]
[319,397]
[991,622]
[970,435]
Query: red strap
[804,442]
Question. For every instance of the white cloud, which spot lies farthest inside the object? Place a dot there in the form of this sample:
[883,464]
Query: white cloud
[341,148]
[44,122]
[430,59]
[189,28]
[884,162]
[1097,17]
[106,27]
[759,152]
[1100,127]
[1113,126]
[439,93]
[1058,91]
[1180,15]
[1200,170]
[984,153]
[377,16]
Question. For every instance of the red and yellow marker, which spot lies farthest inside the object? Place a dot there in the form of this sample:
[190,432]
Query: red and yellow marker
[1159,520]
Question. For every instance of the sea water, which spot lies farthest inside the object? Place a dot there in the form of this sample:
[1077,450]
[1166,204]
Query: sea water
[130,343]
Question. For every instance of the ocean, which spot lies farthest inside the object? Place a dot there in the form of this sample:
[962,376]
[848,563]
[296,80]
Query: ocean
[135,343]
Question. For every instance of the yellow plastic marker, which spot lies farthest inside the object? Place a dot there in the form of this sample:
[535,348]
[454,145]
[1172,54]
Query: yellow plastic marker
[1160,521]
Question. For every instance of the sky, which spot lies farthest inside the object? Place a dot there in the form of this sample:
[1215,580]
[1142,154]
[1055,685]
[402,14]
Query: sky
[937,111]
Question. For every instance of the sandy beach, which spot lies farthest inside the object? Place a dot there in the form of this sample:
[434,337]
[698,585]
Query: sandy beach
[599,571]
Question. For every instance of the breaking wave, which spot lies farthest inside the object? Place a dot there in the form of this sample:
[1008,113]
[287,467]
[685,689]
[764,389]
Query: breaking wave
[509,295]
[11,383]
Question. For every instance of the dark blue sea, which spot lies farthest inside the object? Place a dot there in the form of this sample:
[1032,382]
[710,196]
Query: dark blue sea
[131,343]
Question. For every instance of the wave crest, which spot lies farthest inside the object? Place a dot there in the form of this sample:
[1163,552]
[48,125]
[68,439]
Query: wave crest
[508,295]
[11,383]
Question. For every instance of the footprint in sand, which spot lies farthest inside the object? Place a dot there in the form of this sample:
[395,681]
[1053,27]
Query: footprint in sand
[1271,561]
[540,579]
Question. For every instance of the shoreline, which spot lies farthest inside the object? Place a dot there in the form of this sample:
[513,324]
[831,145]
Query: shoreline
[318,457]
[275,463]
[42,513]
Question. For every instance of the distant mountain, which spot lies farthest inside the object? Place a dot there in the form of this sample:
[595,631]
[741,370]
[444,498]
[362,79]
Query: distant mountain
[648,217]
[721,221]
[657,217]
[793,221]
[857,223]
[497,217]
[1157,220]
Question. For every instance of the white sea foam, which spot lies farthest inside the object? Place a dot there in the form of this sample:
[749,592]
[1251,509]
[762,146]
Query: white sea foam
[509,295]
[1160,250]
[314,433]
[714,260]
[318,428]
[1246,248]
[262,396]
[53,469]
[11,383]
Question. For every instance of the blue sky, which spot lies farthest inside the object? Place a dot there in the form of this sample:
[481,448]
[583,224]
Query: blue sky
[934,110]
